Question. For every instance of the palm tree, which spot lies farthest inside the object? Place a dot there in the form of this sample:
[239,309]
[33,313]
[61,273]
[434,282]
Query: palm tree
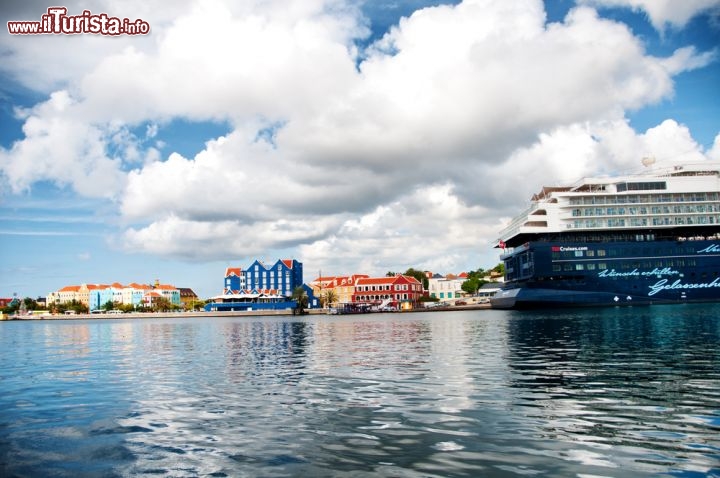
[300,296]
[328,298]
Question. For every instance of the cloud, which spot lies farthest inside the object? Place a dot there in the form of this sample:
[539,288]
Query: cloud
[64,148]
[686,59]
[409,152]
[663,12]
[47,63]
[714,152]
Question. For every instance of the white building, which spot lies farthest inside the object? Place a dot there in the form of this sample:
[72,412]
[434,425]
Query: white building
[446,288]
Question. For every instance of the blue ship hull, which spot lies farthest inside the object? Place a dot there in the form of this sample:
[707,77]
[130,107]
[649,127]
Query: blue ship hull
[547,274]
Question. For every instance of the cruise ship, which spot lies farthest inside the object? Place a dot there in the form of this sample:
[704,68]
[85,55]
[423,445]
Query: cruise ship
[644,238]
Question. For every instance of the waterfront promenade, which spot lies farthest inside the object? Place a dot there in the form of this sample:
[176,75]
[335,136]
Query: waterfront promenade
[236,313]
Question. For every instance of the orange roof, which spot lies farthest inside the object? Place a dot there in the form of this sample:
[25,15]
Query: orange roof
[376,280]
[165,287]
[233,271]
[288,263]
[349,280]
[97,286]
[70,288]
[135,285]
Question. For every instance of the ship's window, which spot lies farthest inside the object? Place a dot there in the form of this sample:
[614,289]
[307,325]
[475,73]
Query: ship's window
[556,255]
[644,186]
[590,253]
[578,253]
[591,267]
[579,267]
[556,267]
[567,267]
[602,266]
[601,252]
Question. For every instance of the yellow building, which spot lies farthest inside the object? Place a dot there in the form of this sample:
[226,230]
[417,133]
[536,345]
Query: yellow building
[342,287]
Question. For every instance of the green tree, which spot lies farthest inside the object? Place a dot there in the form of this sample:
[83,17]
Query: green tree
[75,305]
[300,297]
[476,279]
[328,297]
[109,305]
[30,304]
[161,304]
[126,307]
[419,275]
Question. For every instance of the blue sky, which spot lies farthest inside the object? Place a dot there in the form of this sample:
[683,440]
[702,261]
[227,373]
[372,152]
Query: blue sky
[357,137]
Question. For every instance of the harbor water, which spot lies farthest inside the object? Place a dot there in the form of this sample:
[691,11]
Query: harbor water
[616,392]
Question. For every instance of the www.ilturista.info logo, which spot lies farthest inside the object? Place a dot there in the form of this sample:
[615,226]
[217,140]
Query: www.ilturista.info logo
[57,22]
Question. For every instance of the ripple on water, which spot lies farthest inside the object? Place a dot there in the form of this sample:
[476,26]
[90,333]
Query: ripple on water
[479,393]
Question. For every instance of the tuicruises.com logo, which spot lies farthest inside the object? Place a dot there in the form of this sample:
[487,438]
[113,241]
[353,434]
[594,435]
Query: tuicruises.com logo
[57,22]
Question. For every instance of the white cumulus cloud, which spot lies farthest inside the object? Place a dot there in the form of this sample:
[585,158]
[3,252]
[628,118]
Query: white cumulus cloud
[662,12]
[412,151]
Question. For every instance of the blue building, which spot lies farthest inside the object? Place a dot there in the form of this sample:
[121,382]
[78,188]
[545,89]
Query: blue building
[283,276]
[260,286]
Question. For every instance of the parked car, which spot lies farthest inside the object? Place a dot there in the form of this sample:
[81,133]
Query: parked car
[460,302]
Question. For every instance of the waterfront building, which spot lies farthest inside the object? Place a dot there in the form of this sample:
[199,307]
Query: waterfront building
[5,302]
[280,278]
[343,287]
[399,291]
[134,293]
[188,298]
[488,291]
[94,296]
[446,288]
[234,280]
[261,287]
[168,292]
[283,276]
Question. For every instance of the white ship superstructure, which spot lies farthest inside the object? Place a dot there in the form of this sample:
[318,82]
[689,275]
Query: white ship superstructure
[662,198]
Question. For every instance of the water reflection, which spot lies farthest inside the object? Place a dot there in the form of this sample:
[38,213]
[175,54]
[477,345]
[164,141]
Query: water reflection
[620,392]
[623,380]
